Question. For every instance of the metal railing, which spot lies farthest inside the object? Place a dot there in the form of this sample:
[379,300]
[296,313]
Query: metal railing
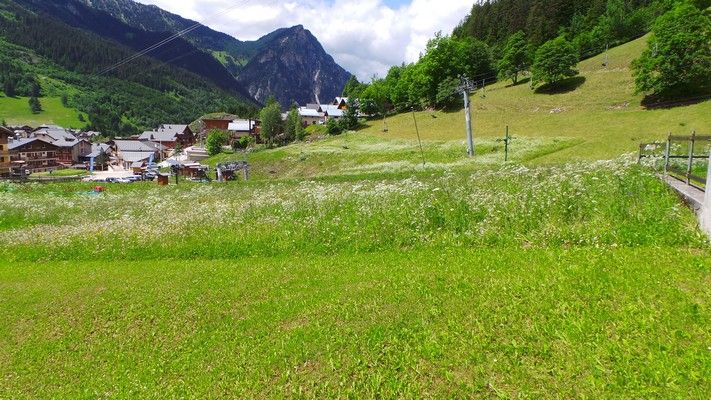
[685,158]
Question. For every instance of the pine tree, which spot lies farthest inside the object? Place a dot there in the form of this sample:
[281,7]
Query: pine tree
[9,88]
[35,105]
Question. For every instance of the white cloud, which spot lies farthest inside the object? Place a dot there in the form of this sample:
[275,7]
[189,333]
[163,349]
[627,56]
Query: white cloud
[366,37]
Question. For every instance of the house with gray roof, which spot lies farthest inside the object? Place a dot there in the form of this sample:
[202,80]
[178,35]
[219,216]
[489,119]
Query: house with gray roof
[170,136]
[127,153]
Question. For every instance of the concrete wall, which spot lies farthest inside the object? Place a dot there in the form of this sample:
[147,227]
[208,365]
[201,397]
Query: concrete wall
[706,208]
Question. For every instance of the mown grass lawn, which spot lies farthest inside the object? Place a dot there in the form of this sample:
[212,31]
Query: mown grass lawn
[437,322]
[62,173]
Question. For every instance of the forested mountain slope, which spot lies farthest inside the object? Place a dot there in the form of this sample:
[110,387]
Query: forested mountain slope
[38,49]
[593,24]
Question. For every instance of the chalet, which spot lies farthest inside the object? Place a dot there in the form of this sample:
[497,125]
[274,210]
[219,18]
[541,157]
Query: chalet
[221,124]
[334,113]
[72,151]
[331,111]
[170,136]
[240,128]
[309,116]
[5,135]
[89,135]
[33,155]
[341,103]
[128,153]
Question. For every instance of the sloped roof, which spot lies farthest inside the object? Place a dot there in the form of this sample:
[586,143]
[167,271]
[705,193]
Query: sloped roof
[14,144]
[68,143]
[158,136]
[135,156]
[178,129]
[57,134]
[6,132]
[136,146]
[164,133]
[335,113]
[307,112]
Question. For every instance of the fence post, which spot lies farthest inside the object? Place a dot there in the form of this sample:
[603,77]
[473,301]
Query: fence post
[706,208]
[691,158]
[667,150]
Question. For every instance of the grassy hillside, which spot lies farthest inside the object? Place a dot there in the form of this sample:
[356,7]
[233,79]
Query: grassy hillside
[16,111]
[357,154]
[602,113]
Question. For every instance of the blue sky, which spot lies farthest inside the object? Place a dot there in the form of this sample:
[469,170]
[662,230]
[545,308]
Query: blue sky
[365,36]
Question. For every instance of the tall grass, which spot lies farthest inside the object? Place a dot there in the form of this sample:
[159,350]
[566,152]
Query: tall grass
[601,204]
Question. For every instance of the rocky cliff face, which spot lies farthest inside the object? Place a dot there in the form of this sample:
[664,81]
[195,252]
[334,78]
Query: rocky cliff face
[293,67]
[289,63]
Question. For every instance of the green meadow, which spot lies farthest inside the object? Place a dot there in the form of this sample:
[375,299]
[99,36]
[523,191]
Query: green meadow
[366,266]
[16,111]
[585,280]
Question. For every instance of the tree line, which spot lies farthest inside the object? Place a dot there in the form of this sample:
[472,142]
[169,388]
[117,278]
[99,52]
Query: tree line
[505,39]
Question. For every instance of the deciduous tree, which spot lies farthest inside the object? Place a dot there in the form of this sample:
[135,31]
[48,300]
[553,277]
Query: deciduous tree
[516,57]
[555,61]
[678,57]
[272,125]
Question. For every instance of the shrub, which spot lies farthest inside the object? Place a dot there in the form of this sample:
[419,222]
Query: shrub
[215,140]
[333,127]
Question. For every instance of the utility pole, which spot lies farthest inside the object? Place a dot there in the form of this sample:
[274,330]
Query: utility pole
[507,139]
[417,129]
[466,87]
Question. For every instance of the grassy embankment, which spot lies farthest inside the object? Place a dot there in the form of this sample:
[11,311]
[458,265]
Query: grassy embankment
[601,118]
[69,172]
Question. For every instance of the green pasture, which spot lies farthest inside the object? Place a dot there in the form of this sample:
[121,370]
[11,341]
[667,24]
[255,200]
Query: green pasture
[16,111]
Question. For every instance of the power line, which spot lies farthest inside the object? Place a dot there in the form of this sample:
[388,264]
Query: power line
[167,40]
